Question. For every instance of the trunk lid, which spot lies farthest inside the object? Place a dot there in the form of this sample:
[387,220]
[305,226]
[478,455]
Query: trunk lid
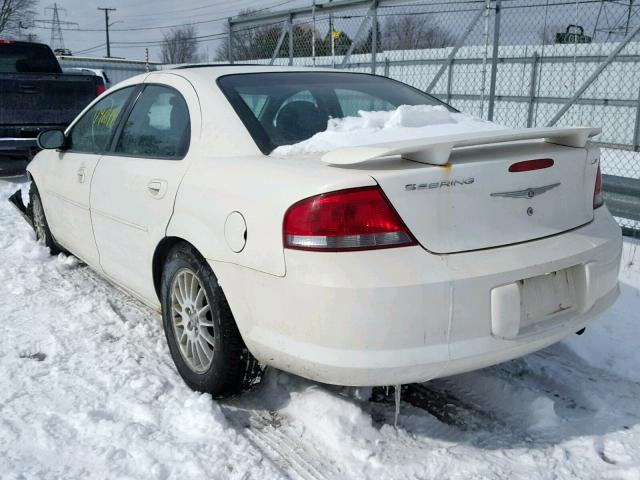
[475,202]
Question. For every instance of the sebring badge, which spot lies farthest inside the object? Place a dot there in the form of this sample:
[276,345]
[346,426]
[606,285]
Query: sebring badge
[527,192]
[444,183]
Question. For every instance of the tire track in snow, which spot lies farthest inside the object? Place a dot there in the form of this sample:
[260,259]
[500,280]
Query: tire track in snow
[291,453]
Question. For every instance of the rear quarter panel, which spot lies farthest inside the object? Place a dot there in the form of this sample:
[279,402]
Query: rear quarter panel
[261,189]
[230,174]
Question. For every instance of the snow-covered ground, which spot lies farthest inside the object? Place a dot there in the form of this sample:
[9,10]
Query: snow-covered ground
[88,390]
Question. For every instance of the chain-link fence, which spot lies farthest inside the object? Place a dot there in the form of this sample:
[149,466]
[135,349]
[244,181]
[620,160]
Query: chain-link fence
[520,63]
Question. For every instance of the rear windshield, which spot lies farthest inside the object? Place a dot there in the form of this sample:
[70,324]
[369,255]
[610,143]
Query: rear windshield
[27,58]
[284,108]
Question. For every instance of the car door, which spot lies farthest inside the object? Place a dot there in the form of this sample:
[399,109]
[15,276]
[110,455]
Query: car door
[135,184]
[68,182]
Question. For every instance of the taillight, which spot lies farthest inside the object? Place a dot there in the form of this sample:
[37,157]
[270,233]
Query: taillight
[598,196]
[100,88]
[528,165]
[353,219]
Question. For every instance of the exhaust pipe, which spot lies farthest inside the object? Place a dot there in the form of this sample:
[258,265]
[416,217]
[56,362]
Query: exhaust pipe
[16,201]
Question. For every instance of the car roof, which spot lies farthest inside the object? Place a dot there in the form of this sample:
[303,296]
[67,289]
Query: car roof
[214,71]
[205,73]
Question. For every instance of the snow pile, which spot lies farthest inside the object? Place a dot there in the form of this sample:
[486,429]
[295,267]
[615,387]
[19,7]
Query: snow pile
[332,419]
[87,386]
[404,123]
[602,345]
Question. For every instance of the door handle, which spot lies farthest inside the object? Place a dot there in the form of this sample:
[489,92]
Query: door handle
[157,188]
[82,174]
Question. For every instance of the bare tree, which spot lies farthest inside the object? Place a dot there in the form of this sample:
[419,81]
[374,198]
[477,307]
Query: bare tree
[249,42]
[14,13]
[408,32]
[180,45]
[260,41]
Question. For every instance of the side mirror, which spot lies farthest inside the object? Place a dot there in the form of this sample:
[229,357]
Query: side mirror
[51,139]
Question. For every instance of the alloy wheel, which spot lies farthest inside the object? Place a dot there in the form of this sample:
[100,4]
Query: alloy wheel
[192,320]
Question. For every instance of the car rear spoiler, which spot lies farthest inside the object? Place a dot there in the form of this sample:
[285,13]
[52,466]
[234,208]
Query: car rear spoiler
[436,150]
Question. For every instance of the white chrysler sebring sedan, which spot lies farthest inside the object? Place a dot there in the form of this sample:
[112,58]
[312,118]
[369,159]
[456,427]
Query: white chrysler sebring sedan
[391,261]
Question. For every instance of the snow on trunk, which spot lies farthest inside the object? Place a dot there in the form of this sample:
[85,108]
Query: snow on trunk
[404,123]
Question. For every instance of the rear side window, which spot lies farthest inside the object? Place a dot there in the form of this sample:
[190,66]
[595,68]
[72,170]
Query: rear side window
[27,58]
[158,125]
[92,133]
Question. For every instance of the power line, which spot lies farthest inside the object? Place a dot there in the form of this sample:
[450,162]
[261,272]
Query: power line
[86,50]
[156,27]
[155,14]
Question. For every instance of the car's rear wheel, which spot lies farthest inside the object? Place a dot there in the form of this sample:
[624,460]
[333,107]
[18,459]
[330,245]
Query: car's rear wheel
[39,220]
[203,338]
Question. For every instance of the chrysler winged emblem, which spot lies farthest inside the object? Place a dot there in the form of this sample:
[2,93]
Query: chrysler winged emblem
[527,192]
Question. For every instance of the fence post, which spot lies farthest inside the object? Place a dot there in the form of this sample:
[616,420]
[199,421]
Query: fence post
[230,42]
[494,62]
[276,50]
[533,86]
[290,39]
[461,39]
[587,83]
[313,32]
[636,130]
[356,38]
[449,81]
[374,37]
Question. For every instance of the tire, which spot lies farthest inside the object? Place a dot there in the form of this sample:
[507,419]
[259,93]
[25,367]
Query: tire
[195,316]
[40,224]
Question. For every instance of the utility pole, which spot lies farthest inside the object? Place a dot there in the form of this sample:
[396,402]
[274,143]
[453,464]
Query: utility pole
[106,26]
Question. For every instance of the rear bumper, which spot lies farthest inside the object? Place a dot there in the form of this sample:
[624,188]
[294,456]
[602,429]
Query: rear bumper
[404,315]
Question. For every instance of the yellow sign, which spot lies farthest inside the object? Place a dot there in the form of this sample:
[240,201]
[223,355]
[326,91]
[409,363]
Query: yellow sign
[106,117]
[336,34]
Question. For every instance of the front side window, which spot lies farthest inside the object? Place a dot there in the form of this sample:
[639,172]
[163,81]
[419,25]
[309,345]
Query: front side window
[158,125]
[92,133]
[294,106]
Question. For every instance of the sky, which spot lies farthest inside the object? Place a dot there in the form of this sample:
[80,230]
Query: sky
[141,23]
[136,24]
